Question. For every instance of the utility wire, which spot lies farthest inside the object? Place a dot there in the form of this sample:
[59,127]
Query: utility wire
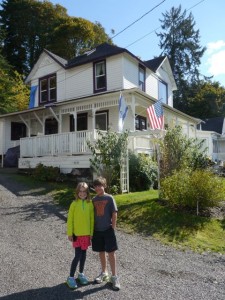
[138,19]
[141,38]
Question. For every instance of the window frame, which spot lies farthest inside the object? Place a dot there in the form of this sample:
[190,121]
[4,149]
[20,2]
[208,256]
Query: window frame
[106,113]
[138,121]
[18,131]
[141,83]
[99,76]
[163,95]
[49,89]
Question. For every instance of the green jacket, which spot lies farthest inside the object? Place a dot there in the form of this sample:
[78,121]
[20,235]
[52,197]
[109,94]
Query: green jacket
[80,220]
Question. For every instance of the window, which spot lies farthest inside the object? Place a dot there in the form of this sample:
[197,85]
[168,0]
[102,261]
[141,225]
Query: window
[142,78]
[101,120]
[163,92]
[18,130]
[82,122]
[140,123]
[47,89]
[51,126]
[99,76]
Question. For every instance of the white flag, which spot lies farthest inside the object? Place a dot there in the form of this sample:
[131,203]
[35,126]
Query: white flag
[122,112]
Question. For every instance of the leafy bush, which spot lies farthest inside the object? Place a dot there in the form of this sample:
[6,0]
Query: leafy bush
[143,172]
[45,173]
[177,151]
[186,188]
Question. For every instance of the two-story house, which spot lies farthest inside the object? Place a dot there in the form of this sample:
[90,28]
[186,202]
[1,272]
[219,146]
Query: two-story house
[71,99]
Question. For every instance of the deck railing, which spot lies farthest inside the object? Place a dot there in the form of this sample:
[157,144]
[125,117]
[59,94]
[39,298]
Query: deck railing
[68,143]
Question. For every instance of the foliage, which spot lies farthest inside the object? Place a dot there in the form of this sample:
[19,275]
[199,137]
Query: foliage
[180,42]
[143,172]
[108,152]
[14,94]
[77,36]
[46,173]
[206,99]
[40,24]
[177,151]
[141,212]
[187,189]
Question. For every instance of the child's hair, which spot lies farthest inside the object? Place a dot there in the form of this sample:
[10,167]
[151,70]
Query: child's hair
[100,181]
[85,186]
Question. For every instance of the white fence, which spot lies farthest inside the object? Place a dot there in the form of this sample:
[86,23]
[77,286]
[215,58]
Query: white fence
[69,143]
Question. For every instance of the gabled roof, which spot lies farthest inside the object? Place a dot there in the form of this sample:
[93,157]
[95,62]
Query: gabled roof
[63,62]
[155,63]
[102,51]
[213,124]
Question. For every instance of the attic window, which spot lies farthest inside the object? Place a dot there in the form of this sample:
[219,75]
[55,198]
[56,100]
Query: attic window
[100,76]
[47,89]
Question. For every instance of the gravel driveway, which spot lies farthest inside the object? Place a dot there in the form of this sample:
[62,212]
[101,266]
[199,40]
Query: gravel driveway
[36,255]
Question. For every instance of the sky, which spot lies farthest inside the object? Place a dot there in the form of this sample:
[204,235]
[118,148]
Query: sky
[142,19]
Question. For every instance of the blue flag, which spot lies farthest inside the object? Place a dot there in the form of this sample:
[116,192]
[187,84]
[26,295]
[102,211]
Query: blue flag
[122,112]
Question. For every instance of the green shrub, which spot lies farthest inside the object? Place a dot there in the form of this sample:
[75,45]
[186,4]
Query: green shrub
[143,172]
[186,188]
[45,173]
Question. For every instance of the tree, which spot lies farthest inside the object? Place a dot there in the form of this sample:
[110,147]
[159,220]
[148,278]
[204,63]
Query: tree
[14,94]
[180,42]
[29,26]
[108,151]
[77,35]
[206,100]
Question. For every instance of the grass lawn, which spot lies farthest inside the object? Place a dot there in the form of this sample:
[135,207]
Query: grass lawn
[141,212]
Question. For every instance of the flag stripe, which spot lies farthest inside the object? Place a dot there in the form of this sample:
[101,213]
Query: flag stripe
[122,111]
[156,116]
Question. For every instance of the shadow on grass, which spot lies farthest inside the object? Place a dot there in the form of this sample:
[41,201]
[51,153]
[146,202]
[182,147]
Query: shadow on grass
[59,292]
[149,217]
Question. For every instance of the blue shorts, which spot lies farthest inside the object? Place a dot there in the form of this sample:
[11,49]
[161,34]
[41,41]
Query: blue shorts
[104,241]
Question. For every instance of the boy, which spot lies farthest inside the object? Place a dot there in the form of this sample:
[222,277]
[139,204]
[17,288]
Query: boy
[104,239]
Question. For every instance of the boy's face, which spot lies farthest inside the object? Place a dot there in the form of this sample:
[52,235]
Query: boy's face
[99,189]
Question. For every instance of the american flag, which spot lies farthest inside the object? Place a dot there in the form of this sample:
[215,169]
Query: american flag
[156,116]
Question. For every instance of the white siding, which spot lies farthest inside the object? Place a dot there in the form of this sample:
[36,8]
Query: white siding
[151,85]
[130,73]
[114,69]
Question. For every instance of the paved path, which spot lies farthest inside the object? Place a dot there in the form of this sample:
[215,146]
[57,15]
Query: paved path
[35,258]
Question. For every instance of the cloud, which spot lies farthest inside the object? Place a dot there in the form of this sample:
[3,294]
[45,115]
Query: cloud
[216,58]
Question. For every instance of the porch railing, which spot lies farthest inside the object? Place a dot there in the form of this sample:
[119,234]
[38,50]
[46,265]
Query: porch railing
[69,143]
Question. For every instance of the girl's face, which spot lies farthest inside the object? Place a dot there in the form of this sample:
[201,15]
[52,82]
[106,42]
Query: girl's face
[82,194]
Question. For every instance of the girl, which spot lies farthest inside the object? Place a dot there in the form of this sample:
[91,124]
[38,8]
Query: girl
[80,224]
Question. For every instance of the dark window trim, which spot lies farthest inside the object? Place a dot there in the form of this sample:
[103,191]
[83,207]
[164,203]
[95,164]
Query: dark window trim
[140,119]
[144,84]
[166,84]
[48,89]
[107,116]
[94,77]
[18,131]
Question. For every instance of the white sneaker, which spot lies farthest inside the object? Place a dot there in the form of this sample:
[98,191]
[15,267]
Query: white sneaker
[115,283]
[102,277]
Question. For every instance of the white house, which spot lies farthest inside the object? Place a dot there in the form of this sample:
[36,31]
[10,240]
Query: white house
[71,99]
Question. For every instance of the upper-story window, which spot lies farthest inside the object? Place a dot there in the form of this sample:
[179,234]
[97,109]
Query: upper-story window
[142,78]
[100,76]
[47,89]
[163,92]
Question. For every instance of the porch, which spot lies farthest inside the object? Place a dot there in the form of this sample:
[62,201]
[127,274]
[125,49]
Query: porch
[69,150]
